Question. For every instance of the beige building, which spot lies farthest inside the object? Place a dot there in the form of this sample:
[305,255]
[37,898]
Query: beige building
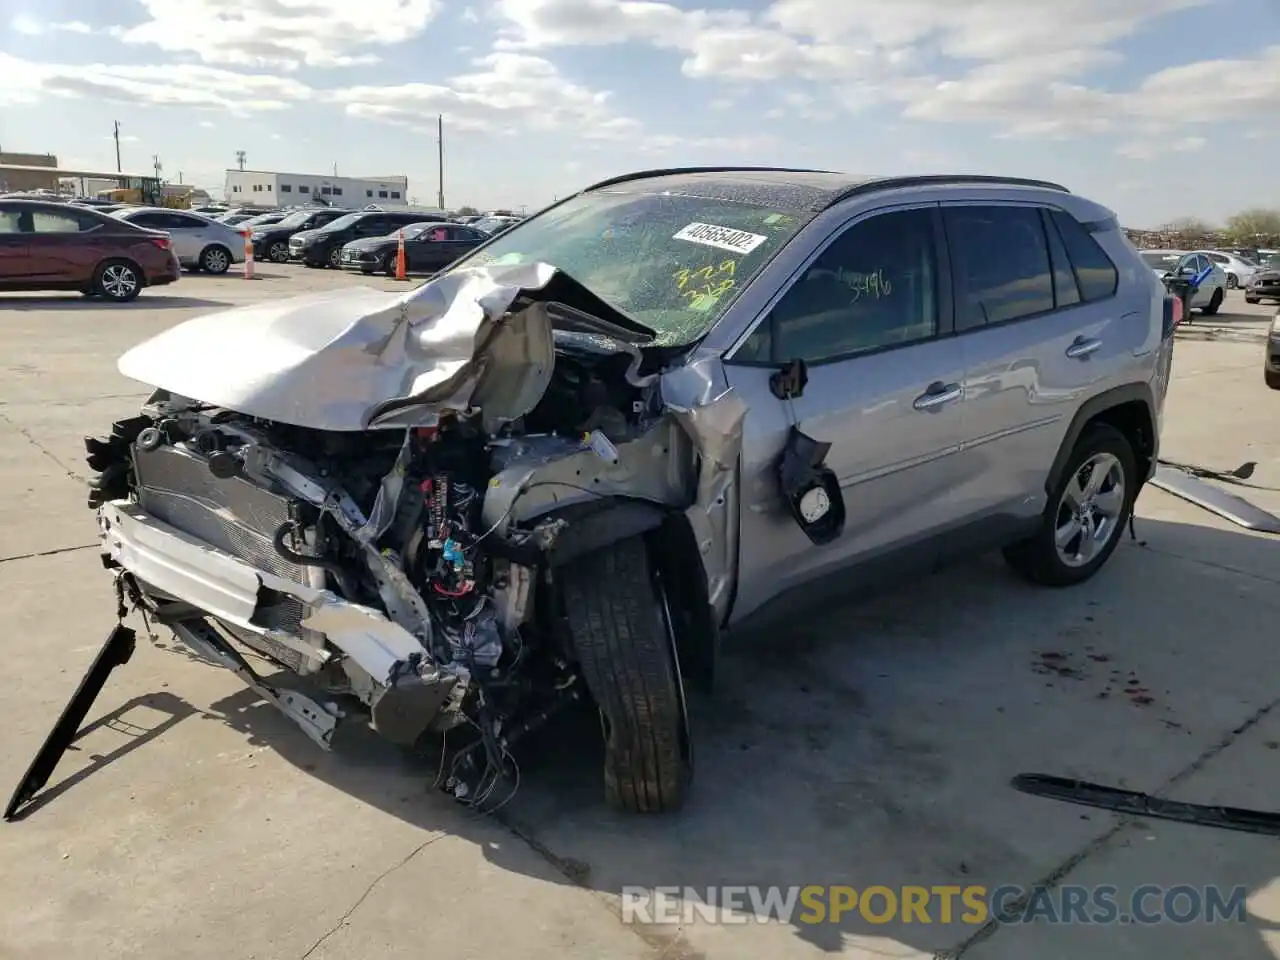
[17,180]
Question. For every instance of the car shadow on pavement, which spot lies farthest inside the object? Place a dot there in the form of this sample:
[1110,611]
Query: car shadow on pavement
[811,769]
[147,301]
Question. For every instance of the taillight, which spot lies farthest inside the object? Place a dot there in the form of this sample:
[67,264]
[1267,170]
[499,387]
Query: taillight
[1172,315]
[161,242]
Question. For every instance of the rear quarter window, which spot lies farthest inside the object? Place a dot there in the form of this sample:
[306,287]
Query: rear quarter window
[1096,276]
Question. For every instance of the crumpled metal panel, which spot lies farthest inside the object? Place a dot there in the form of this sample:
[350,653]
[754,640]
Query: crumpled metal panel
[337,360]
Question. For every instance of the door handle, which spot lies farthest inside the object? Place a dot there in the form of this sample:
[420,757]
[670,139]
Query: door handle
[1082,347]
[938,395]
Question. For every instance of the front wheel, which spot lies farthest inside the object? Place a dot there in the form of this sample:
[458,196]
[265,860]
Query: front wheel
[118,281]
[620,628]
[1214,303]
[1088,508]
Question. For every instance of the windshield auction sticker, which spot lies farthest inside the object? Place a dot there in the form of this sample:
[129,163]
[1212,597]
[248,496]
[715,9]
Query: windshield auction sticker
[723,238]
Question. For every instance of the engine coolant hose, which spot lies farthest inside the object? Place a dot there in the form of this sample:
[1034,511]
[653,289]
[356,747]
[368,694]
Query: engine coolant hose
[336,571]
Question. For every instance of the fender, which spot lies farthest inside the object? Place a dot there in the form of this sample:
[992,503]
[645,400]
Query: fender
[1089,410]
[597,524]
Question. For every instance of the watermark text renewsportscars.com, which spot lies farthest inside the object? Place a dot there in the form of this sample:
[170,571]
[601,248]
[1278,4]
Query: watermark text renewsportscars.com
[975,905]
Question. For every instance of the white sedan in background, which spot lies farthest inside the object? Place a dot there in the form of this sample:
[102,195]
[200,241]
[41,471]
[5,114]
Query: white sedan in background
[1239,270]
[200,243]
[1212,290]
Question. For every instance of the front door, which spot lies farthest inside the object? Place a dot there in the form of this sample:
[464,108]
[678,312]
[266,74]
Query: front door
[867,317]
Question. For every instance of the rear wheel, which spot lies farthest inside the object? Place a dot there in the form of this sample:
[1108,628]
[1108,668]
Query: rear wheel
[117,280]
[1088,508]
[335,257]
[1252,299]
[1214,303]
[1272,378]
[278,252]
[622,637]
[1232,281]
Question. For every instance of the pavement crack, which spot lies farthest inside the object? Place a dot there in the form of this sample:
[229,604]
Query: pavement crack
[49,553]
[346,916]
[1059,873]
[26,435]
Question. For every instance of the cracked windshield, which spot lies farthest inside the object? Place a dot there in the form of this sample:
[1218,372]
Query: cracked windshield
[674,263]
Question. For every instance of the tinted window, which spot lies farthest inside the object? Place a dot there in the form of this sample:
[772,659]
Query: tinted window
[9,220]
[1218,259]
[1000,261]
[48,221]
[1095,273]
[1065,291]
[180,222]
[874,287]
[152,221]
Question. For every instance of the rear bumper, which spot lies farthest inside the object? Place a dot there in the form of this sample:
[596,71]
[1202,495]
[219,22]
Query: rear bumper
[174,564]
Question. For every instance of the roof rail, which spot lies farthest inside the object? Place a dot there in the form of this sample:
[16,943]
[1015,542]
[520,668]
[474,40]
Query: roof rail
[672,171]
[887,183]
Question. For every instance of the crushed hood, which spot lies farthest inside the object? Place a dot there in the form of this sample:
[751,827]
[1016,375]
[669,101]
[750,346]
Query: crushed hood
[353,359]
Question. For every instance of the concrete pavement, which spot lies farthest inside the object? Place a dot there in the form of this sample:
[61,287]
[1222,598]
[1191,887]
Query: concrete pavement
[869,745]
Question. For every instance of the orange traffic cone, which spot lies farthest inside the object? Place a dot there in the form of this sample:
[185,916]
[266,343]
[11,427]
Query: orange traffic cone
[248,255]
[402,268]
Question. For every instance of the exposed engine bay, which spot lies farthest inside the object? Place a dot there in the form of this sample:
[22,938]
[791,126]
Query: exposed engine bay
[414,571]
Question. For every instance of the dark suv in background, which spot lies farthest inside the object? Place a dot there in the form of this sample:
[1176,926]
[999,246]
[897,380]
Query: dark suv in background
[57,246]
[323,247]
[271,242]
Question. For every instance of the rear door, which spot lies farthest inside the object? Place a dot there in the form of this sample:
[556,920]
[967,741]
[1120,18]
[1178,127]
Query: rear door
[433,249]
[1041,329]
[189,235]
[15,252]
[869,314]
[59,251]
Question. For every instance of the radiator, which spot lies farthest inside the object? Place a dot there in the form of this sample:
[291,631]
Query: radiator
[232,515]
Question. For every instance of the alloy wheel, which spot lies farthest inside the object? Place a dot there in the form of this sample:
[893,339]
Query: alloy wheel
[119,282]
[1089,511]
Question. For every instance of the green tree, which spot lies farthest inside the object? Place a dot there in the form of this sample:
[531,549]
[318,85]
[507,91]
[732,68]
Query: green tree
[1258,225]
[467,211]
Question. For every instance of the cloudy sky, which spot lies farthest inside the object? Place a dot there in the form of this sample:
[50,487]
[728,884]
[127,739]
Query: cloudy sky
[1159,108]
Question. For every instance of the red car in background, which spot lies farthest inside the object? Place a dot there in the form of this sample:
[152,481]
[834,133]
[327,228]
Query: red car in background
[56,246]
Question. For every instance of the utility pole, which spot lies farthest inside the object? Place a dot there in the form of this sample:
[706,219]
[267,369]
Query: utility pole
[440,157]
[155,163]
[117,136]
[240,158]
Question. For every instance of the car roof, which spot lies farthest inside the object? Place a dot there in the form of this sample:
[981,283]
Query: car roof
[796,188]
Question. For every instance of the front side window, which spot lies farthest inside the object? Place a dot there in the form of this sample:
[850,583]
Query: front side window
[670,261]
[874,287]
[1000,263]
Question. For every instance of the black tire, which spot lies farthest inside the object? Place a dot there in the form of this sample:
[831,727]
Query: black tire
[278,252]
[117,280]
[1232,281]
[335,258]
[1252,299]
[1037,558]
[623,645]
[389,266]
[1272,378]
[1210,308]
[215,259]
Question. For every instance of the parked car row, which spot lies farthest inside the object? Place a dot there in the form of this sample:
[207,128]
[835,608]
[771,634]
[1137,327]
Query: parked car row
[1197,263]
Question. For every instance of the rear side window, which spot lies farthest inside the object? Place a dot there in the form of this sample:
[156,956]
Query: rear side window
[46,221]
[1095,273]
[1000,263]
[1066,292]
[10,221]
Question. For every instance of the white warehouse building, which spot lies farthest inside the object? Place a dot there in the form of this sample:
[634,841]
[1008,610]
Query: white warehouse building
[269,189]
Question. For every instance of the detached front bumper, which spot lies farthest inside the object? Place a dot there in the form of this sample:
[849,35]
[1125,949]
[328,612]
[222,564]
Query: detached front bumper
[179,566]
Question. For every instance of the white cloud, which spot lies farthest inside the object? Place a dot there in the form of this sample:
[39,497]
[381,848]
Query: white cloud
[282,34]
[185,85]
[508,92]
[1153,147]
[31,27]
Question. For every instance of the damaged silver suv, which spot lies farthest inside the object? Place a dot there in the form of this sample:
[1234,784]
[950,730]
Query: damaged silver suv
[559,470]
